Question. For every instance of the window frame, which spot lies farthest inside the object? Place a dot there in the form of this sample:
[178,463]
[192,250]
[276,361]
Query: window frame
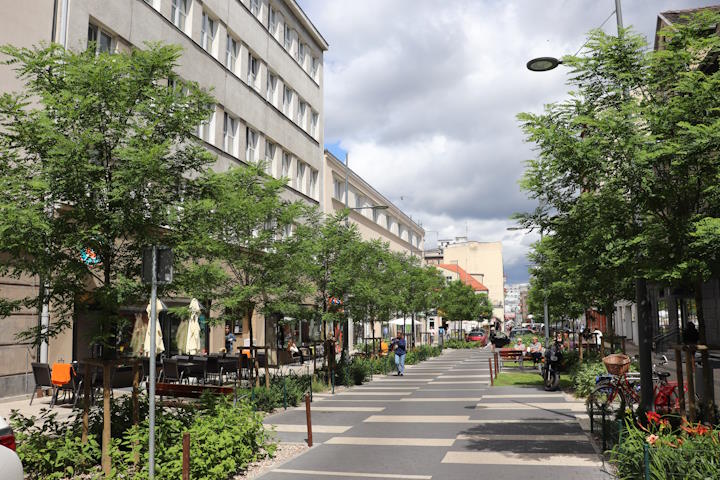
[286,165]
[232,49]
[99,32]
[251,147]
[270,159]
[207,37]
[178,16]
[252,76]
[230,134]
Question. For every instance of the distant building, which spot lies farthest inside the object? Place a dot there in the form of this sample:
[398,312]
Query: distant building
[481,260]
[515,299]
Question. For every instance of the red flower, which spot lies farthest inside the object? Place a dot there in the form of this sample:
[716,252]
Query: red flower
[702,429]
[653,417]
[651,439]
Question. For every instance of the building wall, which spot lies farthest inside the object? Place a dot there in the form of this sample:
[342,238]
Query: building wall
[280,130]
[402,233]
[484,262]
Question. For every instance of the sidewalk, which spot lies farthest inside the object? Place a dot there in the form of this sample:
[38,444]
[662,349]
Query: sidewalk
[440,421]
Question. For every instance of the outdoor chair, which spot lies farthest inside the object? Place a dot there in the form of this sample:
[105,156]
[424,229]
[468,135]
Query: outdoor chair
[70,387]
[199,370]
[170,372]
[214,370]
[43,379]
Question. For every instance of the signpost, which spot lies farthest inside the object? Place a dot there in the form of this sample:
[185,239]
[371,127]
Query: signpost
[157,269]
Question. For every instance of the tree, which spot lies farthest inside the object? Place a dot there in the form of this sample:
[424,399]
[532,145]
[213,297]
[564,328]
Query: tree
[459,302]
[243,245]
[94,157]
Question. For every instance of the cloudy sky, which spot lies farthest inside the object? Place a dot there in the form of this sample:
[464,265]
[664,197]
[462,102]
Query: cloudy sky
[423,95]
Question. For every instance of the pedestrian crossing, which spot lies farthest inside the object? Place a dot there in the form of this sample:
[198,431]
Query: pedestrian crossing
[442,420]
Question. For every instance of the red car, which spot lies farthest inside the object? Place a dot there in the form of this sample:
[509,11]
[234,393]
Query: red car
[476,336]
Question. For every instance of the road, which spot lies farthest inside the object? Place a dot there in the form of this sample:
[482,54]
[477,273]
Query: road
[441,420]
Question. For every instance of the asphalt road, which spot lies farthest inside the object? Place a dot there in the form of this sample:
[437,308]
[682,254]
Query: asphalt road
[441,420]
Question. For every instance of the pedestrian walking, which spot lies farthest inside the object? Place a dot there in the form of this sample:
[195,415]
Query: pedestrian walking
[400,348]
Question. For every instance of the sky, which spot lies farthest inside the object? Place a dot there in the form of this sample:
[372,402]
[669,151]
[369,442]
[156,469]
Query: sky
[424,94]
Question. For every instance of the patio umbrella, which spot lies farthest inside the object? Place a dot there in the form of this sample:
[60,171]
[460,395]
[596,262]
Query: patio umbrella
[192,342]
[159,345]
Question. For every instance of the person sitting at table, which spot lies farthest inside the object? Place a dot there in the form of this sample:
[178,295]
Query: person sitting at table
[294,350]
[520,345]
[536,350]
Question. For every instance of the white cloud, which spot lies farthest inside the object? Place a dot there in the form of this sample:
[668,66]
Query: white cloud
[424,94]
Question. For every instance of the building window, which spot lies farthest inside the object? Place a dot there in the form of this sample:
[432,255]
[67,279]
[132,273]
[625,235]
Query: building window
[314,68]
[269,157]
[253,69]
[252,142]
[313,183]
[272,21]
[154,3]
[285,170]
[229,134]
[100,40]
[301,53]
[314,118]
[300,179]
[207,33]
[255,7]
[231,53]
[376,215]
[339,189]
[206,129]
[271,88]
[287,42]
[178,13]
[302,108]
[287,101]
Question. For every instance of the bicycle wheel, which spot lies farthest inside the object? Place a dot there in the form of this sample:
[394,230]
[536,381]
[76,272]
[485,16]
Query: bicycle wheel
[604,396]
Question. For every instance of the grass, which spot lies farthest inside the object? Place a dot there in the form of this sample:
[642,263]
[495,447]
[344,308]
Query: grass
[510,379]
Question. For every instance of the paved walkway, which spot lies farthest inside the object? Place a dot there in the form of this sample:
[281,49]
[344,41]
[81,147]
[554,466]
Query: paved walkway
[440,421]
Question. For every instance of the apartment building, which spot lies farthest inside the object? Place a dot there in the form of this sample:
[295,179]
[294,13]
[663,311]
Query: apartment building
[262,61]
[482,260]
[375,216]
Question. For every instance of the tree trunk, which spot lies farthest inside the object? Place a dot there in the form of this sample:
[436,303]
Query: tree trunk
[708,399]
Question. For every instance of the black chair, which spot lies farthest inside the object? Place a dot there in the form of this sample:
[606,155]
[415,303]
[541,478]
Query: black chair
[214,370]
[170,372]
[199,369]
[122,377]
[43,379]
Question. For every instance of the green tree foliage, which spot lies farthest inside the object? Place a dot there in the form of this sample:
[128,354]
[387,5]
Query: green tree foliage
[459,302]
[235,240]
[627,169]
[94,154]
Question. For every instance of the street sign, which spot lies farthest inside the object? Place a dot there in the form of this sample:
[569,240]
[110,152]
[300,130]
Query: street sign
[164,270]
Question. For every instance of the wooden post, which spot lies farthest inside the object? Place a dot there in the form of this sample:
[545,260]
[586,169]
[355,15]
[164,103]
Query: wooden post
[186,456]
[106,421]
[87,380]
[256,365]
[581,347]
[492,382]
[690,369]
[267,371]
[136,420]
[309,420]
[680,380]
[708,388]
[495,355]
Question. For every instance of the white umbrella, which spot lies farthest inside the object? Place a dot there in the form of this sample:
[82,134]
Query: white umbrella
[192,342]
[401,321]
[159,345]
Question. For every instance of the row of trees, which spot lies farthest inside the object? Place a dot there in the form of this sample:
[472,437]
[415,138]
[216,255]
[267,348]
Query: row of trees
[98,158]
[627,173]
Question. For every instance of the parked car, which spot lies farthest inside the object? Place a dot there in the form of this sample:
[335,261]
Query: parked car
[476,336]
[10,464]
[518,332]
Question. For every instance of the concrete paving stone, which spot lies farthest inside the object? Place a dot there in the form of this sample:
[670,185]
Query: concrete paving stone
[392,441]
[522,415]
[284,473]
[529,446]
[556,406]
[523,428]
[523,458]
[345,408]
[516,472]
[406,430]
[292,416]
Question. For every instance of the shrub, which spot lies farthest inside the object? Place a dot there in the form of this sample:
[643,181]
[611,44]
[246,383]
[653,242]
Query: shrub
[455,343]
[584,377]
[691,452]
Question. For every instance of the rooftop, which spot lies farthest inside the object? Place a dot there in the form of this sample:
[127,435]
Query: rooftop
[465,277]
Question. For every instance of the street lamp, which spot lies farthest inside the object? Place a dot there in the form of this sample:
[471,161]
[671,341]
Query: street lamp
[543,64]
[545,302]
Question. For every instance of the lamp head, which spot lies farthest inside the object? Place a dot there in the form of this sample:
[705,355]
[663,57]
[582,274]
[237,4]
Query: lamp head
[543,64]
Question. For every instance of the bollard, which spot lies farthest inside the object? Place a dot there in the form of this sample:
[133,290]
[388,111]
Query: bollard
[186,456]
[309,421]
[492,383]
[284,394]
[592,419]
[603,429]
[495,354]
[620,427]
[646,452]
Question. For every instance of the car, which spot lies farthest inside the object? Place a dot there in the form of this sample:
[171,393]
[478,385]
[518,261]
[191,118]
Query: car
[10,464]
[519,332]
[476,336]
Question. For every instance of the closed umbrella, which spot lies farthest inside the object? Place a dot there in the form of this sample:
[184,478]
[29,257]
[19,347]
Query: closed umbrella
[159,345]
[192,342]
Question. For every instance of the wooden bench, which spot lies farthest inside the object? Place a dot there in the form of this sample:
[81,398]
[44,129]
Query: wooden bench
[180,390]
[511,355]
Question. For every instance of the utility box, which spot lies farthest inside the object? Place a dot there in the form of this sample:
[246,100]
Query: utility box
[163,268]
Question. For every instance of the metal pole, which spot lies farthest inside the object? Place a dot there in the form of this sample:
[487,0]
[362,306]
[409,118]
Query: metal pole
[545,311]
[151,374]
[347,174]
[618,15]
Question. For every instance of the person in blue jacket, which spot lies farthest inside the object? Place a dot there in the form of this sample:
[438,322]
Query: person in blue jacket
[400,348]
